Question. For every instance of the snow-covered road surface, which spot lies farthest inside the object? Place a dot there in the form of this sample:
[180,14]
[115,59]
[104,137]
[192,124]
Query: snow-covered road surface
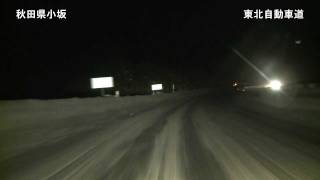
[211,136]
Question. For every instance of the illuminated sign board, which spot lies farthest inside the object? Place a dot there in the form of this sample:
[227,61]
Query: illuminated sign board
[156,87]
[101,82]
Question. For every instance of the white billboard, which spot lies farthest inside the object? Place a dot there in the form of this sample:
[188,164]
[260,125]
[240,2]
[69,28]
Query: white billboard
[102,82]
[156,87]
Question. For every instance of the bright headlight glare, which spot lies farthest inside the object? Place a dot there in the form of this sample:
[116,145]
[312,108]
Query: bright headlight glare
[275,85]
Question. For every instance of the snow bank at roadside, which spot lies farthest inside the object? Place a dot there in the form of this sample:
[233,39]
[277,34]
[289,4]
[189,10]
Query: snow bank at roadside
[20,112]
[302,110]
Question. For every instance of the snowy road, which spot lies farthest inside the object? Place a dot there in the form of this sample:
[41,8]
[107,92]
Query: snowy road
[196,138]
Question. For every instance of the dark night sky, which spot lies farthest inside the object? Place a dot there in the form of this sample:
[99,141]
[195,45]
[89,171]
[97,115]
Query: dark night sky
[185,43]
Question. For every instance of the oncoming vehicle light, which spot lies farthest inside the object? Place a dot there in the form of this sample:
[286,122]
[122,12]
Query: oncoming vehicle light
[275,85]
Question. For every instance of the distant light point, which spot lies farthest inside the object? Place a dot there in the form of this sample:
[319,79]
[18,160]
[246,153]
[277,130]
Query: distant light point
[298,41]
